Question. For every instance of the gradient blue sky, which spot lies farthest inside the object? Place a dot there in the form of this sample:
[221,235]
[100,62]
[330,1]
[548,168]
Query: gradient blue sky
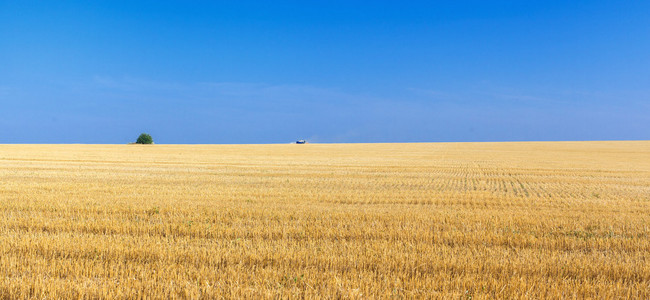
[330,71]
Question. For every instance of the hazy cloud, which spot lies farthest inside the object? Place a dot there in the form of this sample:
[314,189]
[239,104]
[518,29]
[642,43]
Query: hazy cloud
[133,84]
[534,97]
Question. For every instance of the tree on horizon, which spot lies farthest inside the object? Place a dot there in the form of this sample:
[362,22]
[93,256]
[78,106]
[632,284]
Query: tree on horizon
[144,138]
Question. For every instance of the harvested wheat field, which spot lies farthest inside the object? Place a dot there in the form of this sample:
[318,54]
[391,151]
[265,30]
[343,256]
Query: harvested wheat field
[432,220]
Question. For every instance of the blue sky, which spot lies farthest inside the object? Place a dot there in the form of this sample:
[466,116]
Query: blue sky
[330,71]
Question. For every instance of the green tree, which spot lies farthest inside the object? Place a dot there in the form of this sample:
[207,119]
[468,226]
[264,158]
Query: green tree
[144,139]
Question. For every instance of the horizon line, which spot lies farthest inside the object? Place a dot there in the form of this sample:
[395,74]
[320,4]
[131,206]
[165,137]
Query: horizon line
[327,143]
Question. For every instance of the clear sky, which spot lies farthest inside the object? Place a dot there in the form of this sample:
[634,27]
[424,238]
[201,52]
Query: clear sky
[325,71]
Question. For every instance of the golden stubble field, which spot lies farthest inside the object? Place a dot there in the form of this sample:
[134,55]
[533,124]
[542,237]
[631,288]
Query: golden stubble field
[435,220]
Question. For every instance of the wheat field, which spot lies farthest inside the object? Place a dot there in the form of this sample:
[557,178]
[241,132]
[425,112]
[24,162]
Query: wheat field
[430,220]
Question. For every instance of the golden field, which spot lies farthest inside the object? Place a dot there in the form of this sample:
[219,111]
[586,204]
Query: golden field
[431,220]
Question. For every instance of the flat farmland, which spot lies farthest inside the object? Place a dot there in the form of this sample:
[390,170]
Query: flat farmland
[429,220]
